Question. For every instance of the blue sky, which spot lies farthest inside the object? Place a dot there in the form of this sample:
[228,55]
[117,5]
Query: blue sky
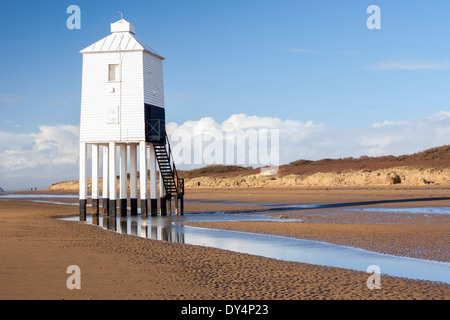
[305,60]
[294,60]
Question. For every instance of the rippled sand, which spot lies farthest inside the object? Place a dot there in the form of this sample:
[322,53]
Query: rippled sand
[37,249]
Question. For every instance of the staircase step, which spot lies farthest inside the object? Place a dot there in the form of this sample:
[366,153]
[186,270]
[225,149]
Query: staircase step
[168,173]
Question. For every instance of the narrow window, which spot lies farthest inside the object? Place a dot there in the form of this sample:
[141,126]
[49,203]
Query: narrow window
[113,72]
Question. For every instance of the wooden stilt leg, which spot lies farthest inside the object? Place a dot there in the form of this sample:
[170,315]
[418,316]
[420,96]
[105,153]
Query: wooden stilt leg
[83,180]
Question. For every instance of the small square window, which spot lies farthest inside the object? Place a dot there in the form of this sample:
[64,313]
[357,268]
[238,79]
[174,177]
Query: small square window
[114,72]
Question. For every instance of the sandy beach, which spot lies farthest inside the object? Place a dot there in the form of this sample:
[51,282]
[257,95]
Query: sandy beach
[37,248]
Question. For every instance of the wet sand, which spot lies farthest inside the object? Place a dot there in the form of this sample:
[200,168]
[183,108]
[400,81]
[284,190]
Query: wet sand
[37,249]
[423,236]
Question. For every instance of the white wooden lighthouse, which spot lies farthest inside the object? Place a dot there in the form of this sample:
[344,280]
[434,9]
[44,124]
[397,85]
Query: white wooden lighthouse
[122,107]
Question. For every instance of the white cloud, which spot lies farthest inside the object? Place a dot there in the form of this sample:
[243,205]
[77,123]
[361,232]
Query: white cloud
[410,65]
[309,140]
[386,123]
[198,138]
[442,115]
[387,138]
[40,158]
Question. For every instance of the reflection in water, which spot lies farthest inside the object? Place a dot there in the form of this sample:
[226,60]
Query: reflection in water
[139,227]
[96,221]
[164,228]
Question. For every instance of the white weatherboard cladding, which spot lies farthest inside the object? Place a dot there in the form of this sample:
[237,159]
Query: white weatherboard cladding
[100,98]
[153,80]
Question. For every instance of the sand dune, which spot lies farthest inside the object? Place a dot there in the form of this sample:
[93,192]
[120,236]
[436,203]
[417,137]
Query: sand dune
[360,178]
[426,168]
[397,176]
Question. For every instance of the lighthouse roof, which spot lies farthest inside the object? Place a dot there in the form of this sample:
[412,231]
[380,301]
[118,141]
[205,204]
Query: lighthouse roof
[122,38]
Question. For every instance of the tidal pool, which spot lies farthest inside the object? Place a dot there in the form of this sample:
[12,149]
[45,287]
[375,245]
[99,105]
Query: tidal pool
[283,248]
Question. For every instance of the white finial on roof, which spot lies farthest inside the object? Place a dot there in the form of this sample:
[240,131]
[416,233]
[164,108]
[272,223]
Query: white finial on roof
[122,26]
[121,16]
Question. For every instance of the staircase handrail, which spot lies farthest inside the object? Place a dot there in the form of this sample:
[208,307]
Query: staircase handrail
[172,163]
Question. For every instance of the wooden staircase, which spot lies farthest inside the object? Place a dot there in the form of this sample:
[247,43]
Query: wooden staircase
[173,185]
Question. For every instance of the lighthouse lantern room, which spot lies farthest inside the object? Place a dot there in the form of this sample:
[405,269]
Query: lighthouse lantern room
[123,116]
